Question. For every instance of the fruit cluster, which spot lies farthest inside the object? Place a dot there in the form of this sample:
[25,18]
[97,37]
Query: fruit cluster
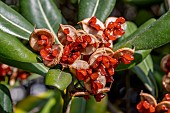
[148,104]
[87,52]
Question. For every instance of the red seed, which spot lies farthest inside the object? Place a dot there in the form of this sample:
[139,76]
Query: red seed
[43,40]
[110,71]
[70,60]
[152,109]
[98,97]
[120,20]
[94,76]
[84,45]
[125,61]
[66,50]
[99,85]
[82,71]
[66,31]
[113,61]
[93,20]
[110,25]
[64,58]
[128,56]
[119,32]
[139,105]
[87,38]
[112,37]
[109,79]
[95,26]
[79,40]
[100,58]
[146,104]
[106,62]
[55,52]
[117,25]
[43,53]
[107,44]
[69,38]
[107,32]
[89,71]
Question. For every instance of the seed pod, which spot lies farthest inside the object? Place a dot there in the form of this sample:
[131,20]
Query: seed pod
[165,63]
[51,55]
[78,64]
[92,44]
[124,55]
[66,34]
[115,27]
[93,26]
[100,83]
[166,82]
[40,38]
[100,52]
[163,107]
[149,98]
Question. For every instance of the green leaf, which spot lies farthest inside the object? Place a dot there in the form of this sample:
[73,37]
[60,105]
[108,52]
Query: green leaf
[99,8]
[13,49]
[150,37]
[96,107]
[130,28]
[49,102]
[58,78]
[13,23]
[42,13]
[78,105]
[139,56]
[5,100]
[144,71]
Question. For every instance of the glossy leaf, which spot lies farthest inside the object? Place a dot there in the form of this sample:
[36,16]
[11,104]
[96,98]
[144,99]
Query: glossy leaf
[144,70]
[42,13]
[13,23]
[150,37]
[130,28]
[96,107]
[58,78]
[78,105]
[13,49]
[5,100]
[99,8]
[49,99]
[139,56]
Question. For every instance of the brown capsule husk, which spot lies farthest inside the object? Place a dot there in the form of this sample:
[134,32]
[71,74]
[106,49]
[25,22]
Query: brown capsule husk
[149,98]
[88,85]
[163,63]
[166,82]
[90,48]
[35,35]
[97,33]
[99,52]
[159,106]
[62,37]
[119,52]
[78,64]
[56,60]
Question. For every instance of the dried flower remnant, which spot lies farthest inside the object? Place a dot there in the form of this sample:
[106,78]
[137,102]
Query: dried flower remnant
[165,63]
